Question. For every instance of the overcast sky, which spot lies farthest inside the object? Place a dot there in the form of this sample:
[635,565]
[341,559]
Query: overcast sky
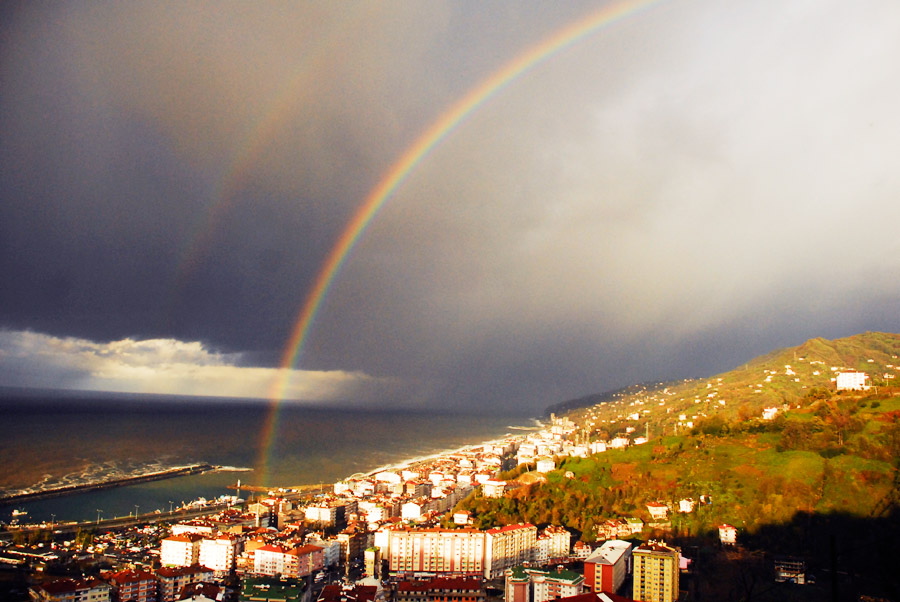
[690,186]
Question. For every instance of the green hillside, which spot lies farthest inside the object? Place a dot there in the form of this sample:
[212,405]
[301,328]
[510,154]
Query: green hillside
[824,452]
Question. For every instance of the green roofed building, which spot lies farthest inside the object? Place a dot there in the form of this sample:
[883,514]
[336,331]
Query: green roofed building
[526,584]
[270,590]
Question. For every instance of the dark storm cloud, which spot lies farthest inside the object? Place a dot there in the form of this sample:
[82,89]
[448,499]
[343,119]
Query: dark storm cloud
[683,189]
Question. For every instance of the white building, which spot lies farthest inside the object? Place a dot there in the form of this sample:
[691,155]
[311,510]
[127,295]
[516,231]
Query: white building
[727,535]
[545,464]
[324,514]
[331,550]
[200,528]
[494,488]
[851,381]
[597,447]
[553,542]
[619,443]
[508,546]
[220,553]
[435,552]
[180,550]
[273,560]
[658,511]
[388,476]
[412,510]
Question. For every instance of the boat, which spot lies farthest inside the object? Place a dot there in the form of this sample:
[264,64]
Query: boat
[18,512]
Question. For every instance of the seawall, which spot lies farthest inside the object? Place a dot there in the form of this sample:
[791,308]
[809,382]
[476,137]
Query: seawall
[106,484]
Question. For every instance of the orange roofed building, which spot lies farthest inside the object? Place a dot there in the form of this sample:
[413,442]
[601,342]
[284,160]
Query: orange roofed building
[72,590]
[172,580]
[133,585]
[441,589]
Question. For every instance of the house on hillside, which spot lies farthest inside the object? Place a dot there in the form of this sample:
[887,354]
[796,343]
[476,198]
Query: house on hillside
[727,535]
[545,464]
[658,511]
[851,381]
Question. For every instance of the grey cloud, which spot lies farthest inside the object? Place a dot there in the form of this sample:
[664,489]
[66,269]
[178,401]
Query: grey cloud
[689,186]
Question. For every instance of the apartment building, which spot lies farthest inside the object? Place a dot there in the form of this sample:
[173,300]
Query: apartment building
[508,546]
[656,576]
[441,589]
[180,550]
[220,553]
[172,580]
[72,590]
[607,566]
[133,585]
[525,584]
[436,552]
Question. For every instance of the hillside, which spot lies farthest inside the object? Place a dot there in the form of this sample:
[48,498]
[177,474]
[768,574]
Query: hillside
[587,401]
[788,377]
[820,468]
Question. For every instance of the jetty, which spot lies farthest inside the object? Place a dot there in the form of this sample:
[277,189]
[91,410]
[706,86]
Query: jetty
[159,475]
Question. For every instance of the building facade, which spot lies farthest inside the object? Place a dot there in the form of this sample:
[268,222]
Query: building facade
[851,381]
[607,567]
[508,546]
[220,553]
[172,580]
[656,572]
[72,590]
[133,585]
[441,589]
[436,552]
[525,584]
[180,550]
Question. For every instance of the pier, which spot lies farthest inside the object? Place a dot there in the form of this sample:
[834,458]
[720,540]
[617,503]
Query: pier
[106,484]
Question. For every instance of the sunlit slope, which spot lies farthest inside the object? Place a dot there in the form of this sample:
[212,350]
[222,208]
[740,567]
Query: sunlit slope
[820,451]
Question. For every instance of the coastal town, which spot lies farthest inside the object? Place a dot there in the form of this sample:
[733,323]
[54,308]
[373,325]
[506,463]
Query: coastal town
[424,531]
[391,535]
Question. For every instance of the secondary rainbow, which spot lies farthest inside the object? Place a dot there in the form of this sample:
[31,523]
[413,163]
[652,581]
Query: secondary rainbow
[285,103]
[400,170]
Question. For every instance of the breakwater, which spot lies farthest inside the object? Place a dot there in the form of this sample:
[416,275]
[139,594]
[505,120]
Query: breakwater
[106,484]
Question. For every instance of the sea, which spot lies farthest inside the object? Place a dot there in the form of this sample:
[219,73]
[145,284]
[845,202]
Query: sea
[50,438]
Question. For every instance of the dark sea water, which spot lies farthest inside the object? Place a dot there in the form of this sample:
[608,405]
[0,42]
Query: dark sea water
[51,439]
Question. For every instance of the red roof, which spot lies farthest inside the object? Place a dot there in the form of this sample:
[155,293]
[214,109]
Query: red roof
[458,583]
[129,576]
[185,537]
[65,586]
[360,593]
[179,571]
[271,548]
[509,528]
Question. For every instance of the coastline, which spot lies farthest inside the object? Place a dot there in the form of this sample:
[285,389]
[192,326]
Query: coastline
[319,449]
[417,460]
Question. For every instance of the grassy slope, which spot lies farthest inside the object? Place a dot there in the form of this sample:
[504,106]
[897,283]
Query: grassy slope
[826,453]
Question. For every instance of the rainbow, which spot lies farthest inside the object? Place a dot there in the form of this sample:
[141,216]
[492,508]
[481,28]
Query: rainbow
[397,174]
[282,105]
